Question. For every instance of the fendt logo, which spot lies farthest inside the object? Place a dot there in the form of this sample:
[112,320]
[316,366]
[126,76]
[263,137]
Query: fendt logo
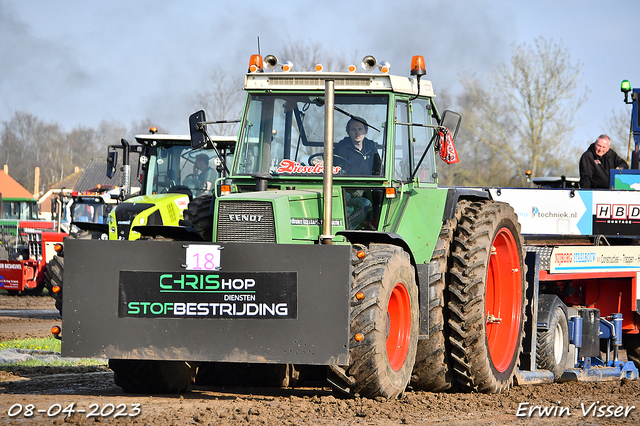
[245,217]
[618,211]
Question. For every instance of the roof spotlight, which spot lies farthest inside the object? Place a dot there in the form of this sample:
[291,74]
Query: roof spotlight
[286,66]
[368,63]
[270,62]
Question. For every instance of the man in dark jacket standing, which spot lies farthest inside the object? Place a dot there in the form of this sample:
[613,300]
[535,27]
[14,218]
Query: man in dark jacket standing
[596,163]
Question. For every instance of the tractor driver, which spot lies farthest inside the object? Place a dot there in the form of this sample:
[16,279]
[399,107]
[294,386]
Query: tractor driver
[596,163]
[204,172]
[356,154]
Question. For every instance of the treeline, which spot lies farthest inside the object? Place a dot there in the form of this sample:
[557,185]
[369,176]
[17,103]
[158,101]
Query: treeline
[522,118]
[28,142]
[519,118]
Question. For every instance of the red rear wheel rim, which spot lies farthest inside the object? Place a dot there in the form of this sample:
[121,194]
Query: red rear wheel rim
[503,302]
[398,326]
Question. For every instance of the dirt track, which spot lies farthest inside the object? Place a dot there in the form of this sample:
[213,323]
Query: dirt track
[83,386]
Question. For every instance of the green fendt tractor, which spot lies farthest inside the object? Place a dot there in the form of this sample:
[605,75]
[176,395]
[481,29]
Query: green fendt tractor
[310,275]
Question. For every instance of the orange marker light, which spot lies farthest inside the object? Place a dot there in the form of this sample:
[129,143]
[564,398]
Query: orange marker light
[153,130]
[359,295]
[417,66]
[225,189]
[57,247]
[255,64]
[360,254]
[319,67]
[56,289]
[56,329]
[390,192]
[359,337]
[352,68]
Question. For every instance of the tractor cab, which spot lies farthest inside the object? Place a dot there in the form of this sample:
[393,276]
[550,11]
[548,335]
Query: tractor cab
[171,174]
[383,132]
[169,164]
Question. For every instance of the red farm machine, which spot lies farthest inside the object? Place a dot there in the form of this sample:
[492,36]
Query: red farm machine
[27,245]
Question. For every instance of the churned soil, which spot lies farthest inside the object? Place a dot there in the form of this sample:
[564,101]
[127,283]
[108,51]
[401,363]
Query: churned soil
[91,388]
[24,328]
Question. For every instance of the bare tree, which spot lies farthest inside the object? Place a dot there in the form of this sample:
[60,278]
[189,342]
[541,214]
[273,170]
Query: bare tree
[110,133]
[478,165]
[524,112]
[306,55]
[223,98]
[28,142]
[223,101]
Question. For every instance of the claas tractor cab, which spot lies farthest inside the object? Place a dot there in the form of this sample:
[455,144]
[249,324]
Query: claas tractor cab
[168,179]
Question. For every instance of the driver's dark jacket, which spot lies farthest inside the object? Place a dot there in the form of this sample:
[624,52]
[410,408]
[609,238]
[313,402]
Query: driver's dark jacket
[365,162]
[594,170]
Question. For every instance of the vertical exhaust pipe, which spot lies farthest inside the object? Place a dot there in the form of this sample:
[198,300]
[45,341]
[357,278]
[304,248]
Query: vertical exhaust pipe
[327,181]
[125,175]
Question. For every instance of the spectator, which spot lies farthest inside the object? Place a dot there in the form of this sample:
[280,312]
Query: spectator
[596,163]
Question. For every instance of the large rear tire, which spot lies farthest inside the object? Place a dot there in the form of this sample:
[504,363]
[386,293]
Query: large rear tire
[487,297]
[552,345]
[198,216]
[384,321]
[432,371]
[151,377]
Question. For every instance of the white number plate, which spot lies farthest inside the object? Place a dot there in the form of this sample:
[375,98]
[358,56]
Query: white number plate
[203,257]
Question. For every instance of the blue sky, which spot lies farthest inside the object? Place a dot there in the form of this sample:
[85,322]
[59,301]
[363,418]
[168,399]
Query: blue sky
[77,63]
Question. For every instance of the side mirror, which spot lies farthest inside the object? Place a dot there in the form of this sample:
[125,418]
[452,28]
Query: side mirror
[197,129]
[112,160]
[451,120]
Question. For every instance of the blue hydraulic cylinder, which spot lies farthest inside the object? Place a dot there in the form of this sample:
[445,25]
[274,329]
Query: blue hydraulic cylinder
[575,331]
[617,329]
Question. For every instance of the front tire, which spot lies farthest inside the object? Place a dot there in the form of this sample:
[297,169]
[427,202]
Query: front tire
[552,345]
[198,216]
[487,306]
[384,321]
